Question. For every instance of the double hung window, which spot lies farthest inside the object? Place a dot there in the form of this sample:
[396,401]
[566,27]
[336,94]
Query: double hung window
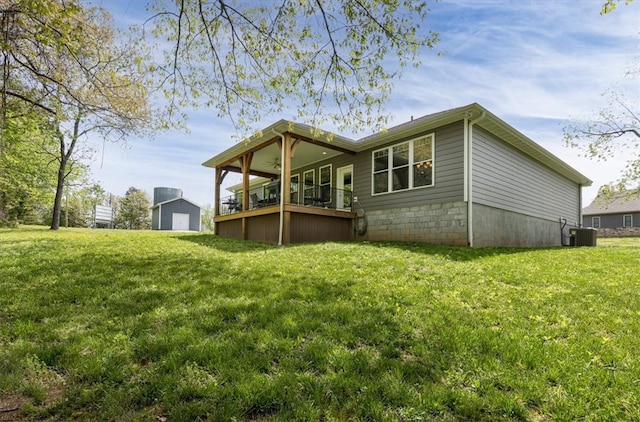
[325,183]
[403,166]
[308,188]
[295,188]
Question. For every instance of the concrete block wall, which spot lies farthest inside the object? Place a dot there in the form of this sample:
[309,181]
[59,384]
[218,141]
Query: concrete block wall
[435,223]
[498,227]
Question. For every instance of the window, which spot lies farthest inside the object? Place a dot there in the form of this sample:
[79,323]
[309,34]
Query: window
[627,220]
[403,166]
[595,222]
[307,191]
[325,183]
[295,188]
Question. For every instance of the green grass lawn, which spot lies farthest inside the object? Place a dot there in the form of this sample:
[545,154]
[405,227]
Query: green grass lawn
[116,325]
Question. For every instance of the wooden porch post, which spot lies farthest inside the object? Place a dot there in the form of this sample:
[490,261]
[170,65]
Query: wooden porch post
[216,194]
[220,175]
[286,188]
[246,166]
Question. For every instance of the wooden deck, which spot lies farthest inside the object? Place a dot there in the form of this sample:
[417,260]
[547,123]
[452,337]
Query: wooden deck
[301,224]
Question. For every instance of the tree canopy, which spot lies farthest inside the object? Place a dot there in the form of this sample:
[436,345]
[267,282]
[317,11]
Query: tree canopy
[66,61]
[326,59]
[614,128]
[134,210]
[611,5]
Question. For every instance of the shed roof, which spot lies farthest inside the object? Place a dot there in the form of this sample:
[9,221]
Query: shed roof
[624,202]
[173,200]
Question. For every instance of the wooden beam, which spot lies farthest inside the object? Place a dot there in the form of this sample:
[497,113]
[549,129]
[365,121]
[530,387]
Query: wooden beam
[252,172]
[251,150]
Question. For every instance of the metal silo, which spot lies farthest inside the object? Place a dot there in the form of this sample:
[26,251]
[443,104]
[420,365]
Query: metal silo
[165,194]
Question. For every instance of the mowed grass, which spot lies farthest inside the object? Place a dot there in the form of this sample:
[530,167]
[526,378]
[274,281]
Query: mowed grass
[115,325]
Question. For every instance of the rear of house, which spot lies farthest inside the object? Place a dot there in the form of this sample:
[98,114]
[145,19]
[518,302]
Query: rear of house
[460,177]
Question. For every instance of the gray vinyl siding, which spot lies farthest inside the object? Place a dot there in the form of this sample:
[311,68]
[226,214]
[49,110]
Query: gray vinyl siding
[505,178]
[155,214]
[336,162]
[611,221]
[179,206]
[448,173]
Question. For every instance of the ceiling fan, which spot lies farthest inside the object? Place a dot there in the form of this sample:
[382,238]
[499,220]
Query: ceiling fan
[275,163]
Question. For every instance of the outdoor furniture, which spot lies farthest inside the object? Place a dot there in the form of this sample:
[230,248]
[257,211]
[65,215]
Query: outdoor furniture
[232,205]
[255,201]
[315,201]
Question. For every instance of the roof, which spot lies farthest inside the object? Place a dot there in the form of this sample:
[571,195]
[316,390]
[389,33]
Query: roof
[487,121]
[173,200]
[624,202]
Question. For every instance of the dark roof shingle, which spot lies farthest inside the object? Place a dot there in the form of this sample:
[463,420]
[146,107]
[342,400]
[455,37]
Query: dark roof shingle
[624,202]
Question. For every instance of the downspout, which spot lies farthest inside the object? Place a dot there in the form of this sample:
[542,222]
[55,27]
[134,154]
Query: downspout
[469,181]
[580,206]
[281,226]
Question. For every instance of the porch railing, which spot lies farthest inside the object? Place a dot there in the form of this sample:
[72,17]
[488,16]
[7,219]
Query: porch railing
[308,195]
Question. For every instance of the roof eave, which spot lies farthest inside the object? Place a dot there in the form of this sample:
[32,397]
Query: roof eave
[280,127]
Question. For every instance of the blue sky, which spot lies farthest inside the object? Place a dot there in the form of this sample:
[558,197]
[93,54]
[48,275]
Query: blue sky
[535,64]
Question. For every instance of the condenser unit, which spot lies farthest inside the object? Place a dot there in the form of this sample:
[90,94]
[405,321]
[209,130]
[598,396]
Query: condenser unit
[583,237]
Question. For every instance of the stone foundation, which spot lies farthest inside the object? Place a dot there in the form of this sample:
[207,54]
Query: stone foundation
[620,232]
[435,223]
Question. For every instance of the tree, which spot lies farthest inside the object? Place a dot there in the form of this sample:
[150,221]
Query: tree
[79,204]
[67,57]
[248,58]
[134,210]
[613,129]
[207,218]
[610,5]
[28,174]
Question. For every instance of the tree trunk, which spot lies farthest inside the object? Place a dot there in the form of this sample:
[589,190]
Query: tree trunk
[57,203]
[65,156]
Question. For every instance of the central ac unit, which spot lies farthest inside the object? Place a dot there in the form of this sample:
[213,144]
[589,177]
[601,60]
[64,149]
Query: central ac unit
[583,237]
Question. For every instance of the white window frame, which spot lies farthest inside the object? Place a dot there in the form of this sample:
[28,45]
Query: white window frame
[624,220]
[297,185]
[322,185]
[305,201]
[595,222]
[411,164]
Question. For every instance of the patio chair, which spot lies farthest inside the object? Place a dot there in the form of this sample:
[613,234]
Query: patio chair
[255,201]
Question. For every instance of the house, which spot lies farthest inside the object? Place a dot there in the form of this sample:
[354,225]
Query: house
[459,177]
[617,215]
[171,211]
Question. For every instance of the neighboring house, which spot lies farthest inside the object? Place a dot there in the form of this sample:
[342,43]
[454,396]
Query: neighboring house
[618,214]
[171,211]
[460,177]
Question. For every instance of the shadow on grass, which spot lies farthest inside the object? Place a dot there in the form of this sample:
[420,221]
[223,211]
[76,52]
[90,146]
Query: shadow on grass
[199,335]
[226,244]
[455,253]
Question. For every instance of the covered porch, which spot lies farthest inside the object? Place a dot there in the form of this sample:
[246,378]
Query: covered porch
[270,205]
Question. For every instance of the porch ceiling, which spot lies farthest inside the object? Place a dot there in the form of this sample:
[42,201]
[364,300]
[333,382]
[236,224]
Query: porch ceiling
[268,159]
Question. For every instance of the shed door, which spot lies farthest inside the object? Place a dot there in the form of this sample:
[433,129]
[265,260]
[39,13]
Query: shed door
[180,221]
